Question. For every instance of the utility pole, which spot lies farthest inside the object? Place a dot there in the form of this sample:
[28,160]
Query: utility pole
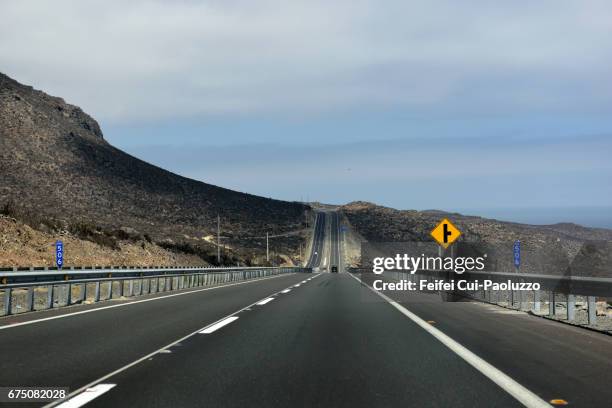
[267,249]
[218,239]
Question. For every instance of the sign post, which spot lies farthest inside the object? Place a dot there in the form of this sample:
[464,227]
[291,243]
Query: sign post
[517,254]
[59,254]
[516,250]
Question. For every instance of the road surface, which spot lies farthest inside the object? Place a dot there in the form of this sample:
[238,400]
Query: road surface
[318,241]
[321,339]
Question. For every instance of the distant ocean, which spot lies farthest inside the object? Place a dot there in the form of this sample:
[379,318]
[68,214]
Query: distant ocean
[598,217]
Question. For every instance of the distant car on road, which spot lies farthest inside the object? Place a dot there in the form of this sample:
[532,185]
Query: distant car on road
[334,269]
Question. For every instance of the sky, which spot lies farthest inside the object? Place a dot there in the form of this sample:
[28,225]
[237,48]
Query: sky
[492,108]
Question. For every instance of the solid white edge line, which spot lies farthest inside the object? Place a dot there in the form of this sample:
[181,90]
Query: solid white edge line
[152,354]
[263,302]
[10,326]
[219,325]
[86,396]
[512,387]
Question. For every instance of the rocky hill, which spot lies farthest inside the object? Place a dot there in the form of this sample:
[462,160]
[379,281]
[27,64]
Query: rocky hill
[546,249]
[57,171]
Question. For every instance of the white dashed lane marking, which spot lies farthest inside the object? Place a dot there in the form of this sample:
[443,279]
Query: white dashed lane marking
[219,325]
[86,396]
[263,302]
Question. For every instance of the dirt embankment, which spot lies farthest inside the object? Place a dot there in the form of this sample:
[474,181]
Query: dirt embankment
[21,245]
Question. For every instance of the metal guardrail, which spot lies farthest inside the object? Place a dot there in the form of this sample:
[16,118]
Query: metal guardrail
[551,286]
[556,289]
[71,286]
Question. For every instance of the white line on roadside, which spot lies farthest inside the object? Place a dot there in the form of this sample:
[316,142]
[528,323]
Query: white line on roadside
[86,396]
[263,302]
[10,326]
[286,291]
[217,326]
[519,392]
[296,286]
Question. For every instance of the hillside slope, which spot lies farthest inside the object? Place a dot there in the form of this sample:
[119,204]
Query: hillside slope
[55,164]
[559,249]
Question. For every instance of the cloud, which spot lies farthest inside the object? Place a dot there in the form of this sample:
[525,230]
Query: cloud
[153,60]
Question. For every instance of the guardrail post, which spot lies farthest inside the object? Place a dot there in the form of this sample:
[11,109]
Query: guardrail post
[83,292]
[30,299]
[8,298]
[97,292]
[571,308]
[141,286]
[510,298]
[536,301]
[121,285]
[69,295]
[524,302]
[49,296]
[592,309]
[551,305]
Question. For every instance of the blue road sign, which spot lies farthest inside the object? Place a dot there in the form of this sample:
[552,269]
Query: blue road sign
[59,254]
[517,253]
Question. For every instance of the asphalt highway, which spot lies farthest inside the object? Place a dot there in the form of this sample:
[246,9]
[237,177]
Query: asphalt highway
[307,340]
[318,241]
[334,239]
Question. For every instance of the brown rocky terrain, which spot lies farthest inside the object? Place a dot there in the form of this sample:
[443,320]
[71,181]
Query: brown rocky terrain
[59,173]
[546,249]
[19,241]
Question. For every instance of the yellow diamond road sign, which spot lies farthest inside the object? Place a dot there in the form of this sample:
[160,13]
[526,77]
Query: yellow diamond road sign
[445,233]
